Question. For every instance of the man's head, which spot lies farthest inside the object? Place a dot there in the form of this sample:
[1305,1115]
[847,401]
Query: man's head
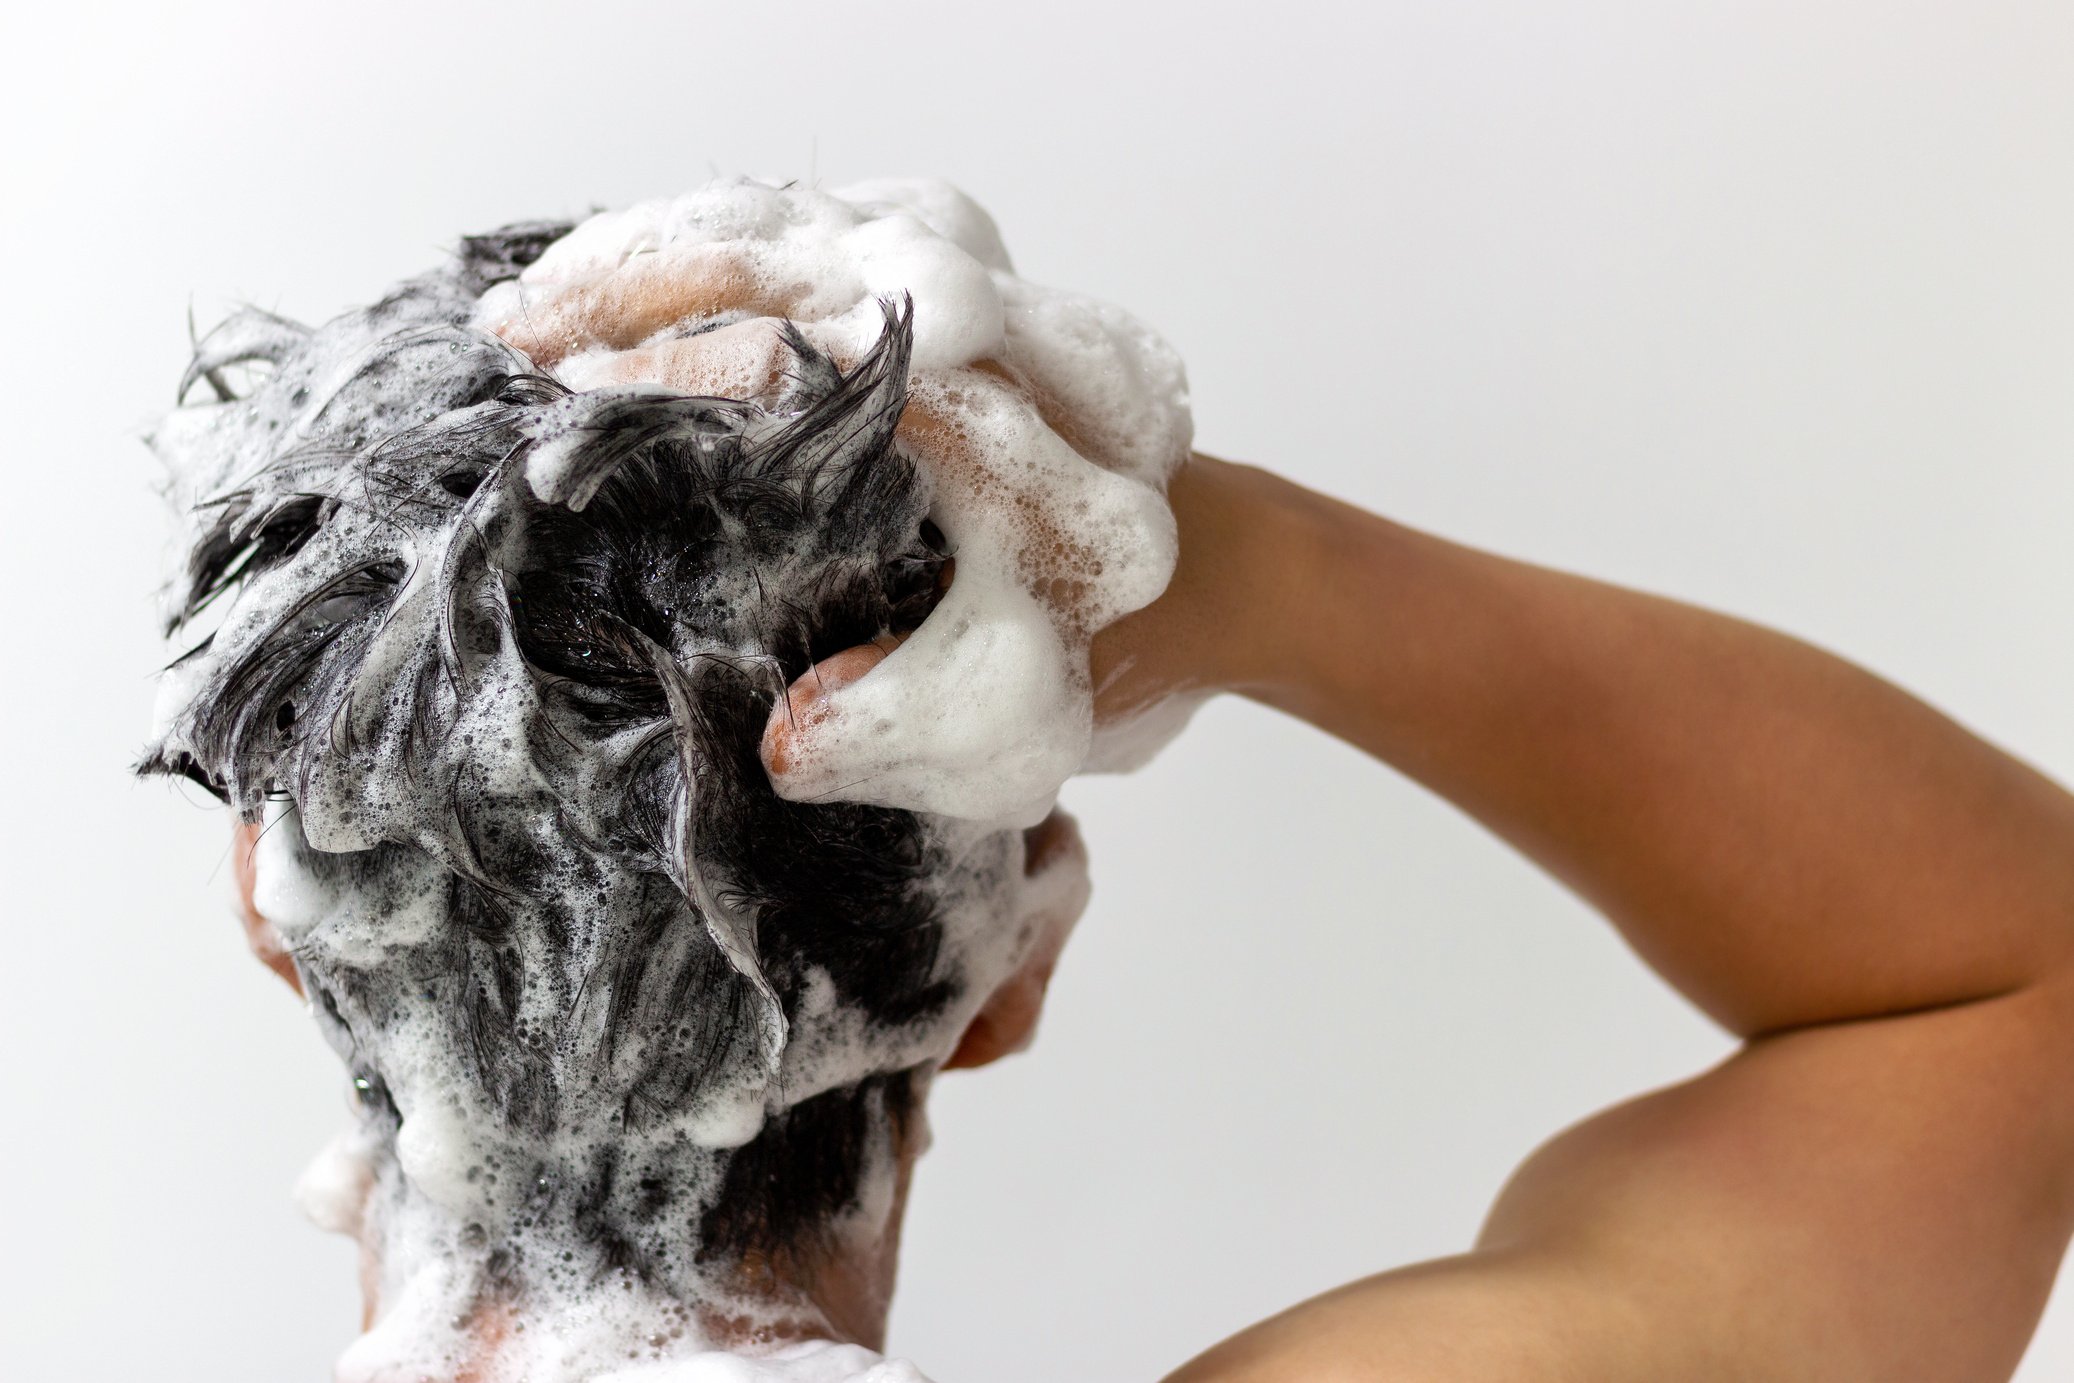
[492,667]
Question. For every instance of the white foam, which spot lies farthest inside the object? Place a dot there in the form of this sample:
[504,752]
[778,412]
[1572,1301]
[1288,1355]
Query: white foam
[436,1147]
[332,1191]
[816,1361]
[826,258]
[283,892]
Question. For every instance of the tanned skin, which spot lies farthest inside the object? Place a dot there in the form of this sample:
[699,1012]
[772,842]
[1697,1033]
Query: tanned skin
[1879,1184]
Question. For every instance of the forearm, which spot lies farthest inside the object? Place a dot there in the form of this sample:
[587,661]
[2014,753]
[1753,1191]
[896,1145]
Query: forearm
[1787,838]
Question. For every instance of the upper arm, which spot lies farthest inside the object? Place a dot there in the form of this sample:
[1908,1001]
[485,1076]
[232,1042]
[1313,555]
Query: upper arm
[1886,1198]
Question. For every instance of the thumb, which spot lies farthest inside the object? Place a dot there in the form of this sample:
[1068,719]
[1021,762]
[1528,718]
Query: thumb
[788,734]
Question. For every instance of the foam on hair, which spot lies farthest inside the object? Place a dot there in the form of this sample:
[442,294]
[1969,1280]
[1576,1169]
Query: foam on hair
[1051,495]
[491,659]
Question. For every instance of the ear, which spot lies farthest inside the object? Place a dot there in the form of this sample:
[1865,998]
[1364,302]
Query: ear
[1055,866]
[259,933]
[1006,1023]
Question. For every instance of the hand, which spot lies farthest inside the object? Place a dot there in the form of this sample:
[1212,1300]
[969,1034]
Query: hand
[1007,459]
[1212,630]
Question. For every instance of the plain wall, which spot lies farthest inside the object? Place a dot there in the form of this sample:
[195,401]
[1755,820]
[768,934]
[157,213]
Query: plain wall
[1768,306]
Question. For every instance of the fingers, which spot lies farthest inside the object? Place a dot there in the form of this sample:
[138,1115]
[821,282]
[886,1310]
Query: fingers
[624,306]
[1050,842]
[787,734]
[1007,1022]
[1004,1026]
[946,414]
[1067,537]
[746,360]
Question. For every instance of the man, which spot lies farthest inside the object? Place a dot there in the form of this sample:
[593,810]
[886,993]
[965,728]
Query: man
[1875,1187]
[1880,1184]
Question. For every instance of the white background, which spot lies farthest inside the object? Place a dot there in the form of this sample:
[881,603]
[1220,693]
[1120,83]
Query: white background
[1765,305]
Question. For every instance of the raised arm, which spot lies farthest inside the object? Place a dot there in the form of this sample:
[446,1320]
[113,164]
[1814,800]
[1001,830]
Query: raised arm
[1880,1184]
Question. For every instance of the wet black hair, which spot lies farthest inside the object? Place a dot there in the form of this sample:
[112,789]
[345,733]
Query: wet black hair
[512,646]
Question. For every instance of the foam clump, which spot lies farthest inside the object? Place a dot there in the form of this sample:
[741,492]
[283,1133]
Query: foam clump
[816,1361]
[1049,424]
[482,627]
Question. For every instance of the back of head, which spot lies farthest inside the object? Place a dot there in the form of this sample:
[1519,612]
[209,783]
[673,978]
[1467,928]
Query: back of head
[492,662]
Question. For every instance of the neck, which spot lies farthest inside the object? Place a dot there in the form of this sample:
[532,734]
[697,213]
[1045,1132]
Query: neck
[546,1299]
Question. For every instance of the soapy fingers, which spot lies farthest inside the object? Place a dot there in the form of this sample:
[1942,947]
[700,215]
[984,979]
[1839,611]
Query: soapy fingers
[742,360]
[1008,1020]
[623,306]
[806,701]
[1056,548]
[1046,426]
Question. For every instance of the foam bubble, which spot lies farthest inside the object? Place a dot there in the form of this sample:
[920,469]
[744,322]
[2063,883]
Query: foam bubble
[332,1191]
[816,1361]
[283,892]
